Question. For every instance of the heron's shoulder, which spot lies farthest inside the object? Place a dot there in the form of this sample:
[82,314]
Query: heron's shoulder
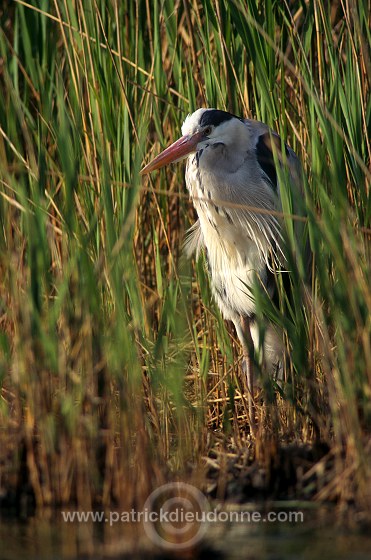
[269,146]
[255,127]
[266,139]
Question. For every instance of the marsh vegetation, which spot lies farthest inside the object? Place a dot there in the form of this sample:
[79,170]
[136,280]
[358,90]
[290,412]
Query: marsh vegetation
[117,370]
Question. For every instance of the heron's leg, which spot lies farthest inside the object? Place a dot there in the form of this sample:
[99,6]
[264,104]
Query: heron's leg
[248,352]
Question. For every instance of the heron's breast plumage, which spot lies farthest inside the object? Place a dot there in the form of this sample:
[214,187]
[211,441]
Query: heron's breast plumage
[234,259]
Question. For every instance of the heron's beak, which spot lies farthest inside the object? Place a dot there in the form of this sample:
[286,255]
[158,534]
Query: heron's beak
[177,151]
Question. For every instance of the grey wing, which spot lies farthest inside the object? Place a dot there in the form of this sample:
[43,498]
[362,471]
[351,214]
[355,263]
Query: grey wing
[267,143]
[267,153]
[270,149]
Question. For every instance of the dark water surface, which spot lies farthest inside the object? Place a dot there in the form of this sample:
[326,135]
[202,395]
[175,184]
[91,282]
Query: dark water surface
[46,536]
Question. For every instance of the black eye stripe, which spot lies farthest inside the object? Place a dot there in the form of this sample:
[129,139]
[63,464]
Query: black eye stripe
[214,117]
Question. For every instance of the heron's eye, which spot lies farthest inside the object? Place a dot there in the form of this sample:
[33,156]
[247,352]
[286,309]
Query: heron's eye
[207,131]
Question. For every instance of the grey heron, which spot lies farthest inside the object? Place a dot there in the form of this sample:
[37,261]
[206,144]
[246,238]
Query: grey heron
[231,169]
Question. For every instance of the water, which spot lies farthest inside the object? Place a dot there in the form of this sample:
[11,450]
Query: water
[46,536]
[317,537]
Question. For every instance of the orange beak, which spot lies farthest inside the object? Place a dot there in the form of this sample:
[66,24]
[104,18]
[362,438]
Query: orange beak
[177,151]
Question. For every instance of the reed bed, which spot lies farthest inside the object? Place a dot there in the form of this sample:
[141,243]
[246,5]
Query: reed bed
[117,371]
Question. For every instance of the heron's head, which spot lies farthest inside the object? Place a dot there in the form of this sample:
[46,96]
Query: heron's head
[201,128]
